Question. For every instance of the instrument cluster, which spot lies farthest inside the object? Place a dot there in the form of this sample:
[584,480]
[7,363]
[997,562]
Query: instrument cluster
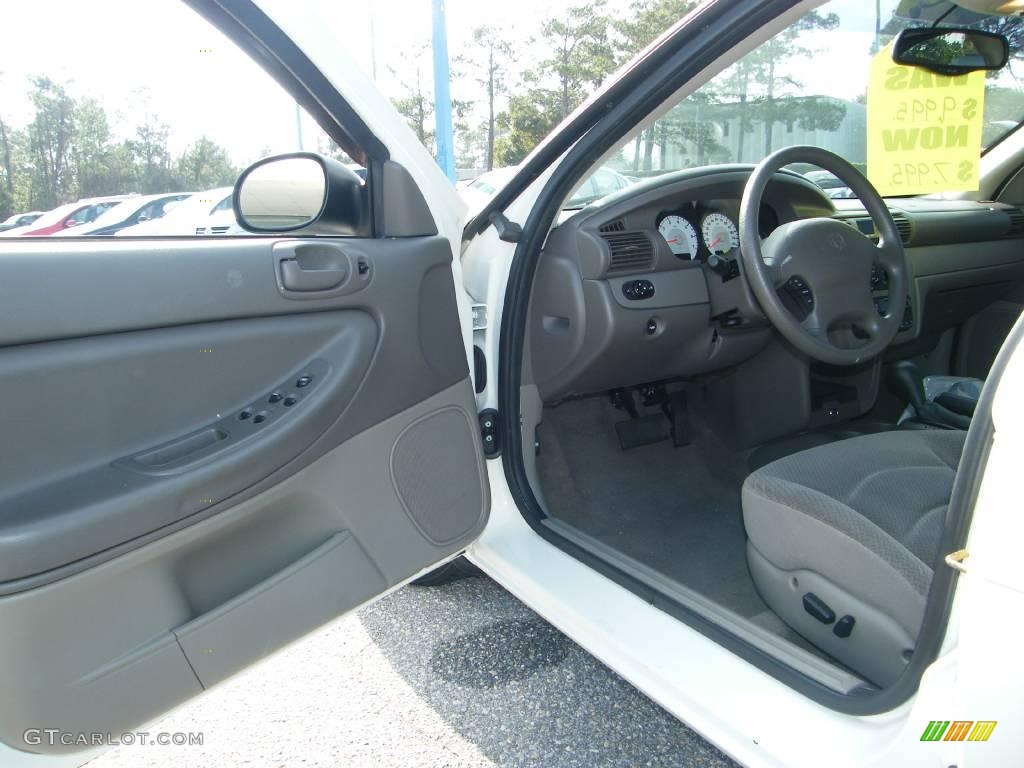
[696,232]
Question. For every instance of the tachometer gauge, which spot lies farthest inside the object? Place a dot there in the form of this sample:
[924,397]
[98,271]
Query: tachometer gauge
[680,236]
[720,234]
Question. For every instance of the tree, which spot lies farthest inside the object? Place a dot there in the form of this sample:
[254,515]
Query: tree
[693,123]
[493,55]
[529,118]
[50,136]
[582,54]
[471,146]
[151,156]
[102,166]
[647,20]
[762,92]
[325,146]
[417,103]
[206,164]
[7,202]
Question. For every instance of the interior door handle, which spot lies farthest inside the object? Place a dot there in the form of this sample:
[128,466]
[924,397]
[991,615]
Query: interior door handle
[307,267]
[297,277]
[318,269]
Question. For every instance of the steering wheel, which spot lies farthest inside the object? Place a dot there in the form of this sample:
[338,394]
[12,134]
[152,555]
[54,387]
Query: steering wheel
[812,277]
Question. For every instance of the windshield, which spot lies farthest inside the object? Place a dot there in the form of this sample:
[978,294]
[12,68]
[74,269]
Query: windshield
[810,85]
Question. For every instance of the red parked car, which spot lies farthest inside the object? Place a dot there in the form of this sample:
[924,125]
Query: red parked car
[65,216]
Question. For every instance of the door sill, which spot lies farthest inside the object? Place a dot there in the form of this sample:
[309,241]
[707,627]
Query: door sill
[831,676]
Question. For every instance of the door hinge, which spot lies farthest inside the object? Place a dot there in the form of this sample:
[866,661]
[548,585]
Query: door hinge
[507,230]
[490,433]
[955,560]
[479,317]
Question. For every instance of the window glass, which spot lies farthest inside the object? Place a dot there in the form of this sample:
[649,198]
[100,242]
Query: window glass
[809,85]
[110,106]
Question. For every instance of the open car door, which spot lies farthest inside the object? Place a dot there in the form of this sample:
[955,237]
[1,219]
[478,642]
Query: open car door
[198,464]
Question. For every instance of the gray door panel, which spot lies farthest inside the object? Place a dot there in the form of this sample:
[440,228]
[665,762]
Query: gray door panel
[156,535]
[119,435]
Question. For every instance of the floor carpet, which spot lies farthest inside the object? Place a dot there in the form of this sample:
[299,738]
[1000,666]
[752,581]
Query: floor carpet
[677,510]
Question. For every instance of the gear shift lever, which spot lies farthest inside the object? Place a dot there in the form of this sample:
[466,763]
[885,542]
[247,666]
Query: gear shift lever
[906,379]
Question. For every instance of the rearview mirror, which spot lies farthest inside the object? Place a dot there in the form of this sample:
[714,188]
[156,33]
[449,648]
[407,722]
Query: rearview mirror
[951,51]
[299,191]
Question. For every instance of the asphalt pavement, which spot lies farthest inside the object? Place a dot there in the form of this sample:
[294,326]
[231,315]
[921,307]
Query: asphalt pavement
[456,675]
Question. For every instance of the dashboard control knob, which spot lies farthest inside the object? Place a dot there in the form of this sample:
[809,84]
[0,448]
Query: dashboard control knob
[638,290]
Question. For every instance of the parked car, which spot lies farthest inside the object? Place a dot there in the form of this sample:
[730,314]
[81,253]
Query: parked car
[602,182]
[833,186]
[67,216]
[20,220]
[185,216]
[477,192]
[220,222]
[133,211]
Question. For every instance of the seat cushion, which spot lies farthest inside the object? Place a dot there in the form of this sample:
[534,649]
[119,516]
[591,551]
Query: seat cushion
[860,519]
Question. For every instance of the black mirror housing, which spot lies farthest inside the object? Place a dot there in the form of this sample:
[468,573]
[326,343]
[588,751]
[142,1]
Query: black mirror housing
[302,193]
[951,51]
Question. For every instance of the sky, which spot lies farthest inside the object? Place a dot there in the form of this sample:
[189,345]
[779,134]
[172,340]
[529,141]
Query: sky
[136,56]
[158,56]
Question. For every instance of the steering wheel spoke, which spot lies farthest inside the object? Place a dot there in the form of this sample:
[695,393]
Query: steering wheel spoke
[889,255]
[867,322]
[840,312]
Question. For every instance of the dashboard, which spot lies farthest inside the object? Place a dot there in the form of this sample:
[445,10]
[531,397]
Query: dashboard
[645,285]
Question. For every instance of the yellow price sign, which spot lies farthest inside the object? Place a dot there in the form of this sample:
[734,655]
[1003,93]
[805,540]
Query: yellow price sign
[924,129]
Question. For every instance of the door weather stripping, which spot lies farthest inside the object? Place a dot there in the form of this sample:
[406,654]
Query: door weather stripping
[955,560]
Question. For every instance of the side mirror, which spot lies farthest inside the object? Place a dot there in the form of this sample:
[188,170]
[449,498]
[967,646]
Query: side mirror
[951,51]
[71,223]
[300,191]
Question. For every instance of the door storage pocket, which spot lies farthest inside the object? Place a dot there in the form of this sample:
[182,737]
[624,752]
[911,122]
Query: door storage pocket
[329,581]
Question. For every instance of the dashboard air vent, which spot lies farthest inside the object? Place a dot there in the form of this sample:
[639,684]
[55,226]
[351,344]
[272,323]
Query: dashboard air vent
[1016,222]
[612,226]
[631,252]
[904,226]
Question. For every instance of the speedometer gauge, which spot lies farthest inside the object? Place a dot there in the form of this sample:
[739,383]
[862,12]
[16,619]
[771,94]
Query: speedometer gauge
[680,236]
[720,235]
